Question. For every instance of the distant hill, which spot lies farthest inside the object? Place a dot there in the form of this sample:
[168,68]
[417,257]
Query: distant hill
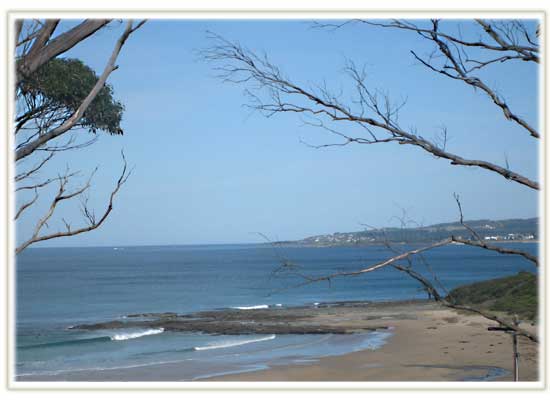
[489,230]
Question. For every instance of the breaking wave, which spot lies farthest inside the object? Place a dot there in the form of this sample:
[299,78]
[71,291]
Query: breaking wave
[135,335]
[233,343]
[258,307]
[103,338]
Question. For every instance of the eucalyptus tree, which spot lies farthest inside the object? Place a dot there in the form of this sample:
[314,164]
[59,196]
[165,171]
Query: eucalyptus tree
[61,105]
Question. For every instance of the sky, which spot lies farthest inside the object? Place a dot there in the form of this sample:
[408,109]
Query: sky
[207,170]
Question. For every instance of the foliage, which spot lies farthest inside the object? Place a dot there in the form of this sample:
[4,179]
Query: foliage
[516,294]
[63,83]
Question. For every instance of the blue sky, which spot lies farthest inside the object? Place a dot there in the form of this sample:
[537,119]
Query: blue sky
[207,170]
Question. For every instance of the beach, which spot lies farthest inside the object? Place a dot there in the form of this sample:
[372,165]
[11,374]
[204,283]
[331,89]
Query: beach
[438,344]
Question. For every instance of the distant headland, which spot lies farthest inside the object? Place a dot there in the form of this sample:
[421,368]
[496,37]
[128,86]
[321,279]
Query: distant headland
[509,230]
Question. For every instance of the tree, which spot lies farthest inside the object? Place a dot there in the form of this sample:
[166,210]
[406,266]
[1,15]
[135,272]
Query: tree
[271,92]
[61,98]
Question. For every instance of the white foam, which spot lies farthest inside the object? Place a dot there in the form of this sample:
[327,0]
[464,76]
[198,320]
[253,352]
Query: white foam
[233,343]
[258,307]
[376,340]
[278,305]
[135,335]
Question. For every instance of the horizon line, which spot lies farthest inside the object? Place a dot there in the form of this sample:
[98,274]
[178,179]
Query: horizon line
[255,243]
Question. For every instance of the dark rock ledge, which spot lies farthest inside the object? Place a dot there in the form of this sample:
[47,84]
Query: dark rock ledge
[337,318]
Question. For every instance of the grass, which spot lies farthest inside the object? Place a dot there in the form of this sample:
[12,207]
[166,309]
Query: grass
[516,294]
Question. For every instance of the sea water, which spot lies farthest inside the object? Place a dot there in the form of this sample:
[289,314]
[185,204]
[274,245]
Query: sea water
[57,288]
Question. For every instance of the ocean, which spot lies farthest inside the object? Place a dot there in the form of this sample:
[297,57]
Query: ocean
[57,288]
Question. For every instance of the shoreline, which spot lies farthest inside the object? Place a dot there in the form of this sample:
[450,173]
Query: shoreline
[428,343]
[440,345]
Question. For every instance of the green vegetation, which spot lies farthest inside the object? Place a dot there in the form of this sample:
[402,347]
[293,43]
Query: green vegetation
[516,294]
[61,85]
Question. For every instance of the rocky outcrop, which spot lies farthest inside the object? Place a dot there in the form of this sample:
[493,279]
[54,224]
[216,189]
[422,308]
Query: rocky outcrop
[338,318]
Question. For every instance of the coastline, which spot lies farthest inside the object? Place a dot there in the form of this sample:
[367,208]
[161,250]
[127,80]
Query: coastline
[427,343]
[439,345]
[298,244]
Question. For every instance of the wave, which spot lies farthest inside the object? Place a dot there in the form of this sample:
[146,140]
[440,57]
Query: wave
[95,339]
[258,307]
[67,342]
[222,345]
[135,335]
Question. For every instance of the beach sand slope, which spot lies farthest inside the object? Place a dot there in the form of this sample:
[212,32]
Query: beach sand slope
[437,345]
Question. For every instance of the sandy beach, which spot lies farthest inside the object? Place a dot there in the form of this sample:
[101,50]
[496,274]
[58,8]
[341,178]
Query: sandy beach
[436,345]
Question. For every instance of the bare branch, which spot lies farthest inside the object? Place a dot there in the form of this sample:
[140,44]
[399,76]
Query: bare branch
[479,242]
[61,196]
[450,304]
[27,205]
[45,183]
[242,66]
[478,83]
[27,174]
[68,145]
[406,256]
[526,52]
[371,268]
[521,52]
[425,282]
[502,250]
[473,232]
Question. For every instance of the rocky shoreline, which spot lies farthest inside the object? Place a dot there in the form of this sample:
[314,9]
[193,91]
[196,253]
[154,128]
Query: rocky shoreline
[323,318]
[427,343]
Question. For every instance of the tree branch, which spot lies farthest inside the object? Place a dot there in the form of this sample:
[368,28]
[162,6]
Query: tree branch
[73,120]
[374,267]
[40,52]
[428,286]
[502,250]
[522,52]
[440,299]
[525,51]
[479,242]
[27,205]
[242,66]
[25,175]
[61,196]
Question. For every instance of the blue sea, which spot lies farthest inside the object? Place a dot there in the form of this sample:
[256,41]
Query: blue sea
[57,288]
